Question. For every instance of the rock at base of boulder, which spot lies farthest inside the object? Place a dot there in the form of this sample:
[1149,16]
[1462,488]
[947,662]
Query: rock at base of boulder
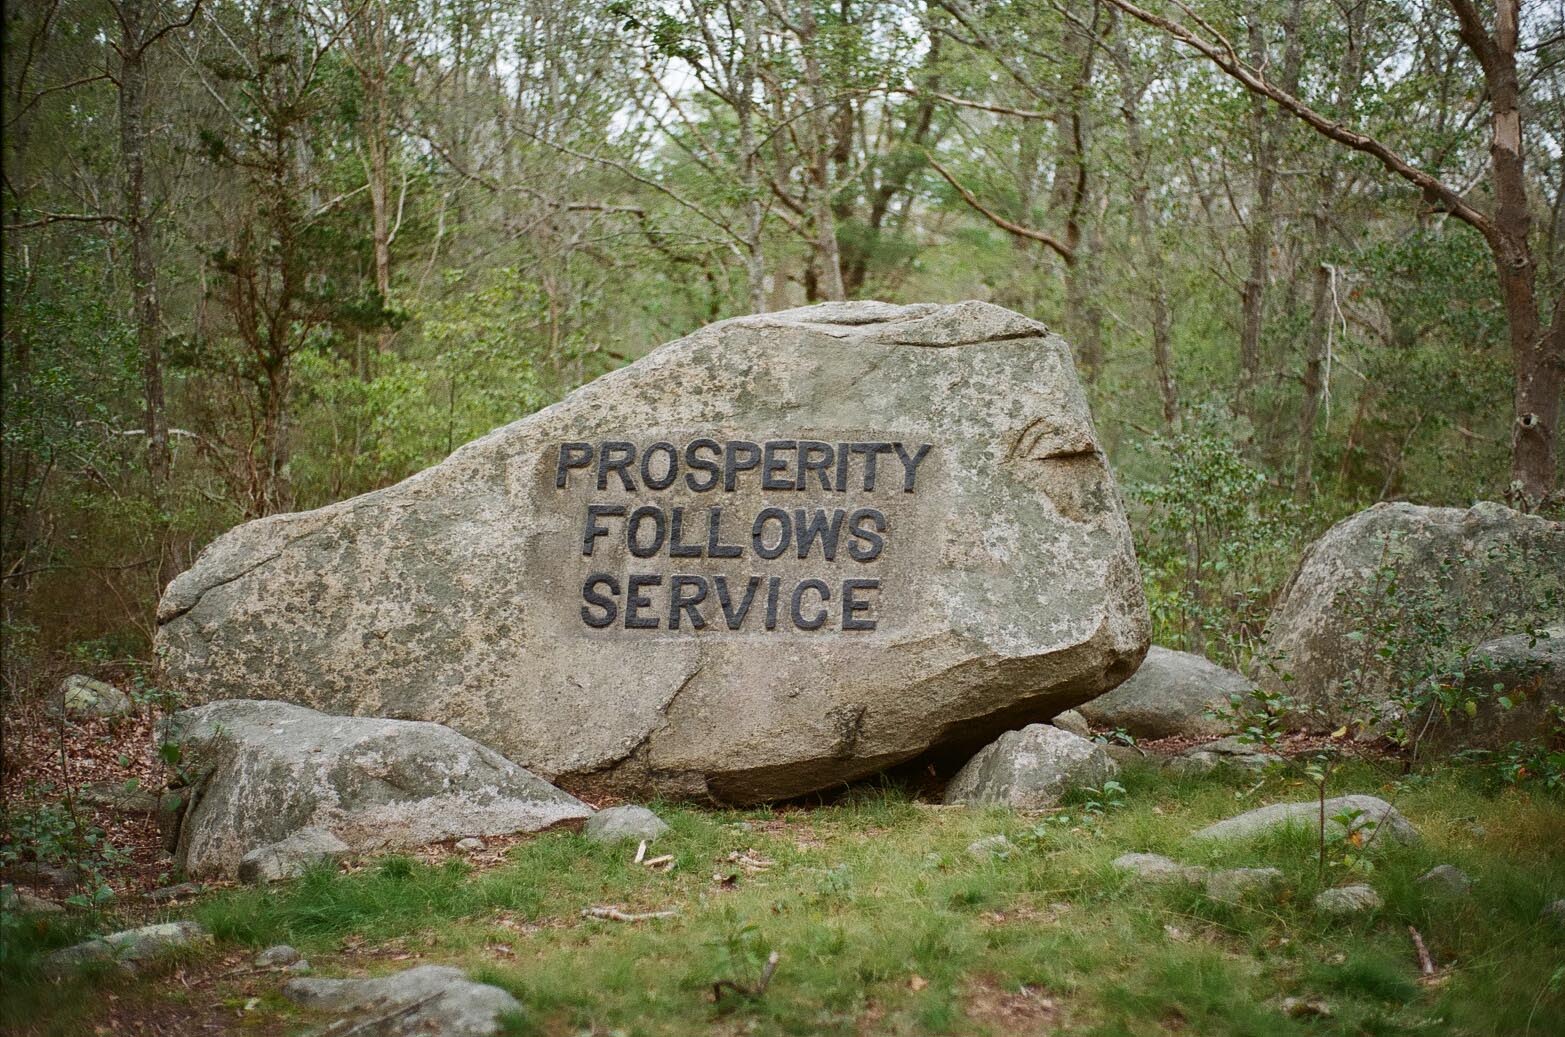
[1445,880]
[83,696]
[1225,752]
[1374,817]
[20,902]
[1155,868]
[1171,695]
[1347,900]
[291,857]
[1525,669]
[1031,769]
[1074,722]
[471,844]
[617,824]
[428,1001]
[131,949]
[273,769]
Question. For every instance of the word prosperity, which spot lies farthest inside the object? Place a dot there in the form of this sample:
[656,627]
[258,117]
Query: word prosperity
[849,535]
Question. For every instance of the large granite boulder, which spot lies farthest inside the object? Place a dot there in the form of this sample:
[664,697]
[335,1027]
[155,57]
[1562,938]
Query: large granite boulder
[1470,573]
[1031,769]
[783,552]
[301,786]
[1171,694]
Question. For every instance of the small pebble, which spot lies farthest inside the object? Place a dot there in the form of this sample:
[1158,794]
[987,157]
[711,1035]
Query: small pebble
[470,845]
[282,954]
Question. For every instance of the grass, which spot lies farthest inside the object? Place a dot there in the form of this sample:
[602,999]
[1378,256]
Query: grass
[886,925]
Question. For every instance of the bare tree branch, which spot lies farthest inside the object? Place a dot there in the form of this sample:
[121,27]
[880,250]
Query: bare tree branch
[1064,251]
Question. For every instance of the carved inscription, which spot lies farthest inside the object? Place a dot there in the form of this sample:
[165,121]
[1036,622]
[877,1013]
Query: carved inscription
[704,555]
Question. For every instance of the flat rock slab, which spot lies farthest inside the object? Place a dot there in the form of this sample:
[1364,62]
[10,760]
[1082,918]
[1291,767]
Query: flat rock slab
[1171,694]
[786,551]
[131,949]
[272,770]
[427,1001]
[1376,819]
[1031,769]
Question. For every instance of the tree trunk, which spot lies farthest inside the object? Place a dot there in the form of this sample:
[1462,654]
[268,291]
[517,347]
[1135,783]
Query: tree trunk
[755,258]
[143,264]
[828,257]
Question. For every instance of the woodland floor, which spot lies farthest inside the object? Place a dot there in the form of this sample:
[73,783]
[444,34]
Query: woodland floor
[883,922]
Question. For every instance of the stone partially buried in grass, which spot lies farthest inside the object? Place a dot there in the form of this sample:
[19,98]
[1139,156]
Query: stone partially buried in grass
[1348,900]
[1031,769]
[273,769]
[617,824]
[1372,817]
[427,1001]
[784,552]
[131,949]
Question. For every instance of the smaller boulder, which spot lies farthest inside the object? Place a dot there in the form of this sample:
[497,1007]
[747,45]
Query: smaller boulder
[1555,912]
[20,902]
[990,846]
[1347,900]
[617,824]
[291,857]
[1374,817]
[1031,769]
[83,696]
[181,891]
[1526,670]
[1445,880]
[1071,720]
[1171,694]
[470,845]
[1225,752]
[428,1001]
[1231,885]
[1157,869]
[276,957]
[131,949]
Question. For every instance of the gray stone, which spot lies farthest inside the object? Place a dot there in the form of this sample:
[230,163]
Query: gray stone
[20,902]
[276,956]
[1225,752]
[1008,585]
[1231,885]
[990,846]
[299,968]
[1347,900]
[1555,912]
[1155,868]
[1074,722]
[1031,769]
[291,857]
[83,696]
[122,796]
[471,844]
[273,769]
[1169,695]
[131,949]
[427,1001]
[1377,820]
[167,894]
[1528,669]
[616,824]
[1485,566]
[1445,880]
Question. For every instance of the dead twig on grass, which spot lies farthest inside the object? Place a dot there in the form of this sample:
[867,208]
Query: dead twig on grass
[1426,964]
[756,989]
[614,914]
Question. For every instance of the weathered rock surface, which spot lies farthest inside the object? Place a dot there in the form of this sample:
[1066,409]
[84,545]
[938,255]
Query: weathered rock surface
[1445,880]
[990,846]
[1155,868]
[131,949]
[1232,885]
[1376,818]
[273,769]
[1074,722]
[1347,900]
[1169,695]
[1030,769]
[1007,584]
[1483,566]
[277,956]
[291,857]
[20,902]
[427,1001]
[616,824]
[1232,751]
[83,696]
[1528,669]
